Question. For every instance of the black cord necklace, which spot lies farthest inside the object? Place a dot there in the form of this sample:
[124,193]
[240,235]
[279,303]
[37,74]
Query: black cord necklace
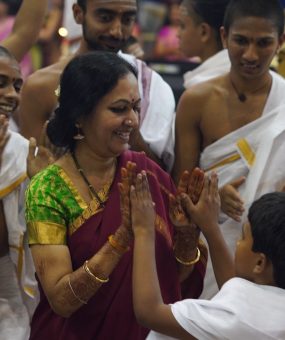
[90,186]
[242,96]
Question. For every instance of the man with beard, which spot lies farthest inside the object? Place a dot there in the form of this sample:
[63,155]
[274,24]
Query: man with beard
[106,25]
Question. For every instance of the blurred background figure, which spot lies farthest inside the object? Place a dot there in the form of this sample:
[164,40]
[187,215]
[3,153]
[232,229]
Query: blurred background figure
[50,39]
[73,30]
[8,11]
[167,42]
[151,16]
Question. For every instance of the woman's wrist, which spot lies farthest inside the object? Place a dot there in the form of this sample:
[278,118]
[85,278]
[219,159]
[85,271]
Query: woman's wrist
[185,245]
[121,240]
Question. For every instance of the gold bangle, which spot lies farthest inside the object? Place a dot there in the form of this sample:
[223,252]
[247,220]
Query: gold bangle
[88,271]
[189,263]
[75,295]
[117,246]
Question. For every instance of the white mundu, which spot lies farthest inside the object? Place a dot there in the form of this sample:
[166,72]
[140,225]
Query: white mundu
[157,112]
[248,152]
[18,287]
[213,67]
[240,310]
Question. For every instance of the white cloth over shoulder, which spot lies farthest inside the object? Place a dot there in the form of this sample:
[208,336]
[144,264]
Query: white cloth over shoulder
[246,152]
[13,181]
[158,111]
[240,310]
[213,67]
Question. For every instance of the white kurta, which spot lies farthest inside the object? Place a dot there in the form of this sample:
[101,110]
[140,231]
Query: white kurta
[213,67]
[18,287]
[246,152]
[240,310]
[157,113]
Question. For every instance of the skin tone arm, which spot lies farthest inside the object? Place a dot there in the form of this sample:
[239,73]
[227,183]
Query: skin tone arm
[54,269]
[27,25]
[37,103]
[205,214]
[187,135]
[149,308]
[67,290]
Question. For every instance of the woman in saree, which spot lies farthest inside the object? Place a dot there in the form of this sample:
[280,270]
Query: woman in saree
[79,228]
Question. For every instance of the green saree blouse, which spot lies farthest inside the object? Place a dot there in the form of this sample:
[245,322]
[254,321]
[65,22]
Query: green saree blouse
[54,206]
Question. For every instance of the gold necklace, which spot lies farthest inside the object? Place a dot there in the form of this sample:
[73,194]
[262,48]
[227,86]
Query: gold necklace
[242,96]
[90,186]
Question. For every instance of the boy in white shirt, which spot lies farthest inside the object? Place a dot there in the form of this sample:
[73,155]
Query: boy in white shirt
[252,286]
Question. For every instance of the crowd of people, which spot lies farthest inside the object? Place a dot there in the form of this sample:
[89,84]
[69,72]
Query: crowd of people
[120,212]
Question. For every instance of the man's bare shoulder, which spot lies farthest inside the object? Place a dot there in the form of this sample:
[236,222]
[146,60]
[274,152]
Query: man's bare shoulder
[201,99]
[48,77]
[207,89]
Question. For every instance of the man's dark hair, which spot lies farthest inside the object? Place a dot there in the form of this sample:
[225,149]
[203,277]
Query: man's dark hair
[82,4]
[267,219]
[84,82]
[266,9]
[13,6]
[208,11]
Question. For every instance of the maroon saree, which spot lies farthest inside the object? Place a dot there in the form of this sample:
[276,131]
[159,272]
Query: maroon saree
[109,314]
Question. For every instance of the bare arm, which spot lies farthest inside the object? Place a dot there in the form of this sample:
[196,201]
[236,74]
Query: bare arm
[27,25]
[68,290]
[148,304]
[53,23]
[187,135]
[37,103]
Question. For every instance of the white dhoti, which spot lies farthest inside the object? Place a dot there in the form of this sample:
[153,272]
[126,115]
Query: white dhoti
[17,270]
[256,152]
[213,67]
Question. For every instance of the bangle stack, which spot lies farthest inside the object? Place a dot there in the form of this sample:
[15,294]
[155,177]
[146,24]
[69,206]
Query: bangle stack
[88,271]
[190,263]
[117,246]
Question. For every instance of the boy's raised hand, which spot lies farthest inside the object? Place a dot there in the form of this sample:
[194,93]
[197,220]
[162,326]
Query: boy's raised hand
[142,206]
[205,213]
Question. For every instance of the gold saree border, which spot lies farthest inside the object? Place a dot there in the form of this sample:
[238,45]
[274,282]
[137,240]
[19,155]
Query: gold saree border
[92,208]
[46,233]
[223,162]
[246,151]
[7,190]
[82,204]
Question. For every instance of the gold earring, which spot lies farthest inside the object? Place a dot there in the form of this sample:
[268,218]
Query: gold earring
[79,135]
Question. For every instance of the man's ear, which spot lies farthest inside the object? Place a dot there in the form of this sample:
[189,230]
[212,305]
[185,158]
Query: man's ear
[281,42]
[78,14]
[261,264]
[224,37]
[205,32]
